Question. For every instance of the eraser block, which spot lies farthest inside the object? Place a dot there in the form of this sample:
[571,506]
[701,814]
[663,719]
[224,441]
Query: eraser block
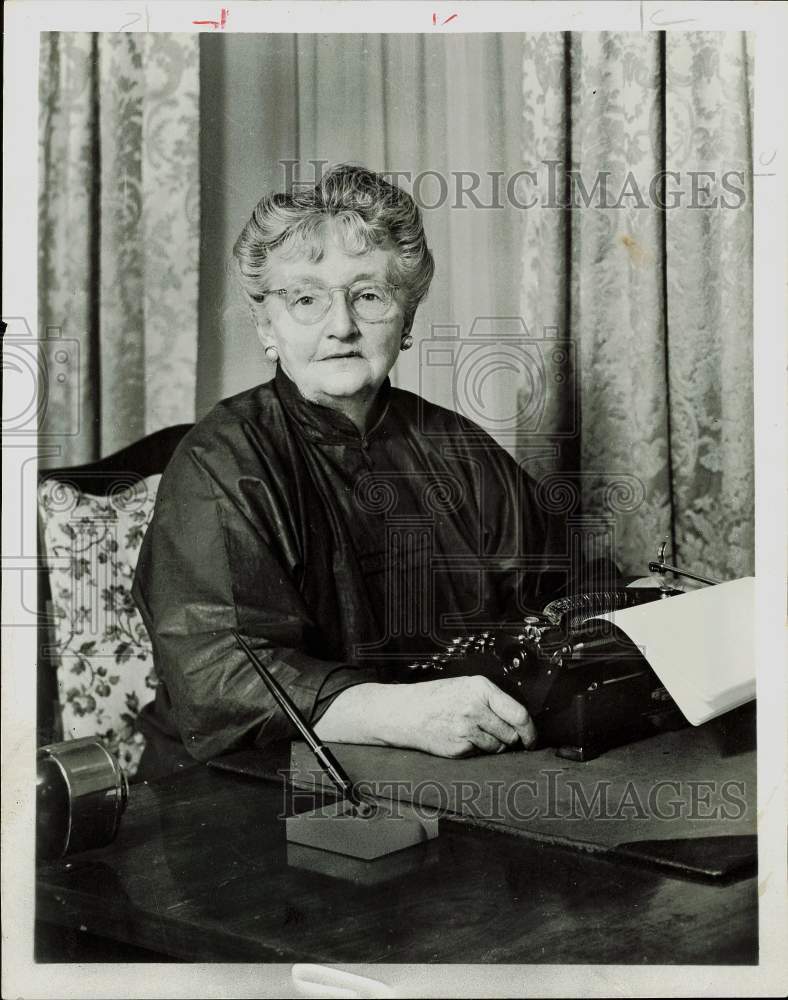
[334,827]
[375,871]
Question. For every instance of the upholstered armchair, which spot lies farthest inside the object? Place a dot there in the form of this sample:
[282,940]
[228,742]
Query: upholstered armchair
[95,664]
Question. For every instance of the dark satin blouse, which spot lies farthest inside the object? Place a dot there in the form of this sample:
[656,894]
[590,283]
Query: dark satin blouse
[341,556]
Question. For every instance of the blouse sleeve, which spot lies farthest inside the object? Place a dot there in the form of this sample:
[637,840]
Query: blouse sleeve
[209,564]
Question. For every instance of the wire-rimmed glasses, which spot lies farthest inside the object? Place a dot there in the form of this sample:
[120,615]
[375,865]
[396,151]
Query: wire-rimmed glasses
[368,301]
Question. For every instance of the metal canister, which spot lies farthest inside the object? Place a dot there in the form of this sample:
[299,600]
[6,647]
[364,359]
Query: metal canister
[81,794]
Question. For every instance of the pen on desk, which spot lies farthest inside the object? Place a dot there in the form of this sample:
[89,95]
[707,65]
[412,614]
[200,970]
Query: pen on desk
[327,760]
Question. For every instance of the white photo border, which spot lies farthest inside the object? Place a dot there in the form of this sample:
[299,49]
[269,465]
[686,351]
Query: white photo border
[24,20]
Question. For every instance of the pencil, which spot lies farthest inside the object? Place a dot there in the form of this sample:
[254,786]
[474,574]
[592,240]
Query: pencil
[327,760]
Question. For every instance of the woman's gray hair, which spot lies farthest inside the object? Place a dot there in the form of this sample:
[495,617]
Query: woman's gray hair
[370,212]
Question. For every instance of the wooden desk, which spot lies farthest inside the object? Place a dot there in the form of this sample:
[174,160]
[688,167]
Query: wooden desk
[200,871]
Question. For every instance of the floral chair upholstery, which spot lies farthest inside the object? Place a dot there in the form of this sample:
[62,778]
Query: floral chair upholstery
[91,525]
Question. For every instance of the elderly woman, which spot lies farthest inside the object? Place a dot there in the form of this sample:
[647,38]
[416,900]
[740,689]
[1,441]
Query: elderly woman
[345,527]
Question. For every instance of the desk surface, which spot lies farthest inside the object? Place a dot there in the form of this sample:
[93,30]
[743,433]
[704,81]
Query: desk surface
[201,871]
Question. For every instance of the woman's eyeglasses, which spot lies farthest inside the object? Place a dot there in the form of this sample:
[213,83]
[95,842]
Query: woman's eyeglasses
[367,300]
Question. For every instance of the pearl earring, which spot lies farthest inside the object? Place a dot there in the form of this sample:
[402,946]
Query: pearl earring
[272,354]
[407,342]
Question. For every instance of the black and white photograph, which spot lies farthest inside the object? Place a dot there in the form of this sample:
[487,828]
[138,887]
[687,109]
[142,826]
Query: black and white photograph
[394,533]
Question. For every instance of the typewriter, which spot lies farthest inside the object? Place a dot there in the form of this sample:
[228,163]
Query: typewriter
[584,682]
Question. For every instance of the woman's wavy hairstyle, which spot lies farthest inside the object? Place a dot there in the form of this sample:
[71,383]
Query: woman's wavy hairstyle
[369,211]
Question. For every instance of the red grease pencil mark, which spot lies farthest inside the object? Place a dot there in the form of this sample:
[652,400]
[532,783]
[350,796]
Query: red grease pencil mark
[435,19]
[216,24]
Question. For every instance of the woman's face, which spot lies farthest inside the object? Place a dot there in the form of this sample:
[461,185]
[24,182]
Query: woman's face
[340,358]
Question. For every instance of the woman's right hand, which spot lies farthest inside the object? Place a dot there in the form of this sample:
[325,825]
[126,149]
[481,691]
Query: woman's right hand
[450,717]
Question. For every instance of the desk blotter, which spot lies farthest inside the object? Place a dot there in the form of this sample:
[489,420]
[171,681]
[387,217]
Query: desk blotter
[684,801]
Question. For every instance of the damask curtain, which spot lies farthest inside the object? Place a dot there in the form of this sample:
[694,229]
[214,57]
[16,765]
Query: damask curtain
[118,236]
[655,304]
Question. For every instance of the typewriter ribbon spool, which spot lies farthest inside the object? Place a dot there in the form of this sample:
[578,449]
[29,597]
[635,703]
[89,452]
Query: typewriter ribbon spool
[81,794]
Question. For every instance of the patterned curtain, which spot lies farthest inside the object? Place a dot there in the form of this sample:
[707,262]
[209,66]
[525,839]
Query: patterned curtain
[651,433]
[118,235]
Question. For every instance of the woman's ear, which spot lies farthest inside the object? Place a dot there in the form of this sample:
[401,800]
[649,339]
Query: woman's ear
[262,323]
[263,326]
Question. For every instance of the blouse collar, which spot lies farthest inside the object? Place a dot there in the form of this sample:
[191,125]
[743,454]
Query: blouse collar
[324,423]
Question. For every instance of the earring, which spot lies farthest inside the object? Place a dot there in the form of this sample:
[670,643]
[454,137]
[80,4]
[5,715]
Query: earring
[272,354]
[407,342]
